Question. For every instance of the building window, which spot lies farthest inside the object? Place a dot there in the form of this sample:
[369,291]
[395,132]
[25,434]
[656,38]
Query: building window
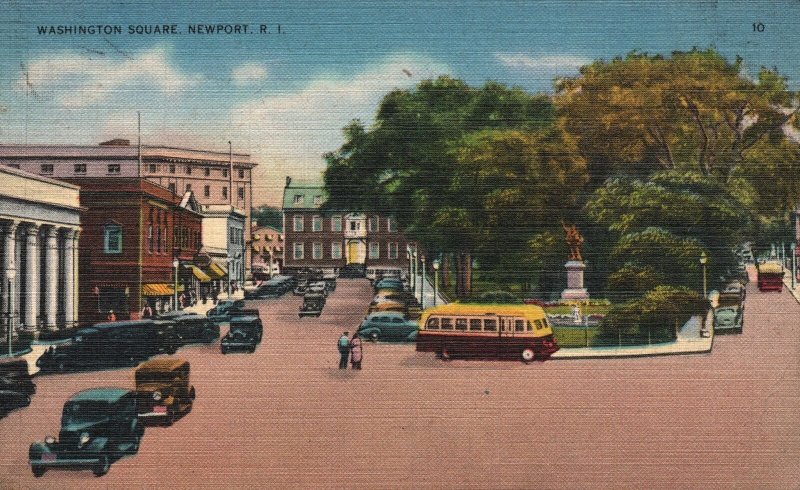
[207,191]
[207,171]
[46,168]
[241,192]
[114,168]
[224,192]
[112,239]
[336,250]
[241,173]
[232,234]
[171,187]
[224,172]
[317,200]
[316,223]
[298,251]
[336,223]
[317,250]
[188,187]
[298,223]
[391,224]
[373,223]
[374,250]
[392,250]
[150,238]
[14,165]
[188,170]
[79,168]
[152,169]
[172,169]
[298,199]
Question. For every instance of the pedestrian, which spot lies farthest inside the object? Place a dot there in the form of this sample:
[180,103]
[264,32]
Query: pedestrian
[192,298]
[182,300]
[111,316]
[147,311]
[344,350]
[355,351]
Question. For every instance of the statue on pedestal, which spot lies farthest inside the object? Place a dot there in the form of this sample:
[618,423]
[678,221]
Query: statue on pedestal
[574,265]
[574,241]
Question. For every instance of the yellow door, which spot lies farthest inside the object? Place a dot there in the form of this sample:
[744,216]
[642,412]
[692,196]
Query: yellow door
[352,252]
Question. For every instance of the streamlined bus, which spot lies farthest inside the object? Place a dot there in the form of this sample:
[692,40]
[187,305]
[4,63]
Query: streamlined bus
[486,330]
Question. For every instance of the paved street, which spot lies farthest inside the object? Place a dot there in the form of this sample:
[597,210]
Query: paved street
[287,417]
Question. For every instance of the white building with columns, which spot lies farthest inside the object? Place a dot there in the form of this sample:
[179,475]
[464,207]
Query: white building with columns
[39,226]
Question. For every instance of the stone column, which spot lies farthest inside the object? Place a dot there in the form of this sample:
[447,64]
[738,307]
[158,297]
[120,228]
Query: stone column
[9,273]
[70,237]
[51,278]
[32,277]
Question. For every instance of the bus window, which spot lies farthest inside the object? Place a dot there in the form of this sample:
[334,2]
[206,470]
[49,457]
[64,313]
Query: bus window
[529,325]
[461,323]
[539,324]
[519,325]
[490,325]
[475,324]
[433,324]
[447,324]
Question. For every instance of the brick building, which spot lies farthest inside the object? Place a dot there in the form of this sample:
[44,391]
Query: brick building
[333,239]
[133,232]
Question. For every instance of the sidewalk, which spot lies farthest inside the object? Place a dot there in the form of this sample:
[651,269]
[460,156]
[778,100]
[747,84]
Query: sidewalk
[689,341]
[428,291]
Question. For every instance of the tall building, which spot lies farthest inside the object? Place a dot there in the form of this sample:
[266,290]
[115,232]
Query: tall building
[331,240]
[215,178]
[267,245]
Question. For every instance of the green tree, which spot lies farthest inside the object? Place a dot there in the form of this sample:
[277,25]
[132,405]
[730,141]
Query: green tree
[269,216]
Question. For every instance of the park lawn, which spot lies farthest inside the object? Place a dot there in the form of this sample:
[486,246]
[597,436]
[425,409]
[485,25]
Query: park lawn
[585,309]
[567,337]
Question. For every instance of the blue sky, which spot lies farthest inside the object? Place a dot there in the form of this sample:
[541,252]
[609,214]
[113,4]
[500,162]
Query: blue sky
[284,97]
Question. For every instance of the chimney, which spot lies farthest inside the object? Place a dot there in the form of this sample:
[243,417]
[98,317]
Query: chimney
[288,181]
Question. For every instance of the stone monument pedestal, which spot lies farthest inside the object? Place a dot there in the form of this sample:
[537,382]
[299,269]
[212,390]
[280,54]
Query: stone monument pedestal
[575,289]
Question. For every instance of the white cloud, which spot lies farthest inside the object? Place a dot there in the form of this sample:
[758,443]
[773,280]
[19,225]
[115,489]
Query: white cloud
[541,63]
[248,73]
[77,80]
[289,132]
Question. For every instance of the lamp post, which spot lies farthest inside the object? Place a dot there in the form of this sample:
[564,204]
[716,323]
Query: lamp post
[175,264]
[10,275]
[422,285]
[703,262]
[408,254]
[228,261]
[793,251]
[414,270]
[435,280]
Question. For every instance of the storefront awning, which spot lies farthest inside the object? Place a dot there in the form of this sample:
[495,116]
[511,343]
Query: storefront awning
[198,273]
[216,271]
[159,289]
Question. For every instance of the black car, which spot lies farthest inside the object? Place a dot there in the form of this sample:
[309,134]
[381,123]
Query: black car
[11,400]
[313,303]
[300,289]
[274,288]
[221,313]
[98,426]
[190,327]
[14,376]
[353,271]
[110,345]
[244,334]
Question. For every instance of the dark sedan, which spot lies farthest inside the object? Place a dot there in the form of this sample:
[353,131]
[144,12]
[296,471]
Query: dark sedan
[388,326]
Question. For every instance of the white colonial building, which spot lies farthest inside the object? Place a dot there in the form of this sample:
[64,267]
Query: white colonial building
[40,220]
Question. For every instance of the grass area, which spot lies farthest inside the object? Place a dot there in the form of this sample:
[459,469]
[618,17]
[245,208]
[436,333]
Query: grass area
[575,336]
[585,309]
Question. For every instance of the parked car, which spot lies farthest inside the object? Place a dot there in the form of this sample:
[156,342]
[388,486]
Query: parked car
[313,303]
[388,326]
[353,271]
[300,289]
[12,399]
[16,386]
[389,283]
[728,319]
[190,327]
[111,344]
[330,281]
[163,390]
[400,301]
[244,333]
[274,288]
[98,426]
[733,294]
[318,287]
[221,313]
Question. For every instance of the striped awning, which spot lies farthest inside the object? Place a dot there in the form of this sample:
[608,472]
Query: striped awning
[198,273]
[216,271]
[159,289]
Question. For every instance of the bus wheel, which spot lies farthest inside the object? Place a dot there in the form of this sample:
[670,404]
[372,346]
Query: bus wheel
[528,355]
[445,355]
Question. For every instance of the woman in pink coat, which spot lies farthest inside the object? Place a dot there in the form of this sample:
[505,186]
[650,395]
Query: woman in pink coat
[355,351]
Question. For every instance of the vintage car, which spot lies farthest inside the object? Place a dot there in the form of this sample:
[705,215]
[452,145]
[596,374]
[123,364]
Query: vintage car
[318,287]
[388,326]
[733,294]
[330,281]
[770,276]
[190,327]
[389,283]
[274,288]
[98,426]
[244,333]
[163,390]
[221,313]
[11,400]
[313,303]
[110,344]
[399,301]
[300,289]
[728,319]
[16,386]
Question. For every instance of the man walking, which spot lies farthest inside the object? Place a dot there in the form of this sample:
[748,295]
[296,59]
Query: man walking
[344,350]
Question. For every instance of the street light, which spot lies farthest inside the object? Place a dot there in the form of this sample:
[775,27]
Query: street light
[422,286]
[793,251]
[414,270]
[175,264]
[435,280]
[228,261]
[703,262]
[10,275]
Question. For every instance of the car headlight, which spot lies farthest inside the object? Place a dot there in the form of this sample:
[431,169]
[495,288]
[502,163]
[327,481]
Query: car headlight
[49,440]
[84,438]
[156,395]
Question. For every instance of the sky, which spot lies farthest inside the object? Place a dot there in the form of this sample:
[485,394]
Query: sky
[283,97]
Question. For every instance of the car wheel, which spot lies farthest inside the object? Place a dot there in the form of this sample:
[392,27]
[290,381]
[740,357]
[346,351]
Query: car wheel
[224,350]
[374,336]
[61,367]
[528,355]
[252,349]
[445,355]
[137,439]
[37,470]
[27,400]
[102,466]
